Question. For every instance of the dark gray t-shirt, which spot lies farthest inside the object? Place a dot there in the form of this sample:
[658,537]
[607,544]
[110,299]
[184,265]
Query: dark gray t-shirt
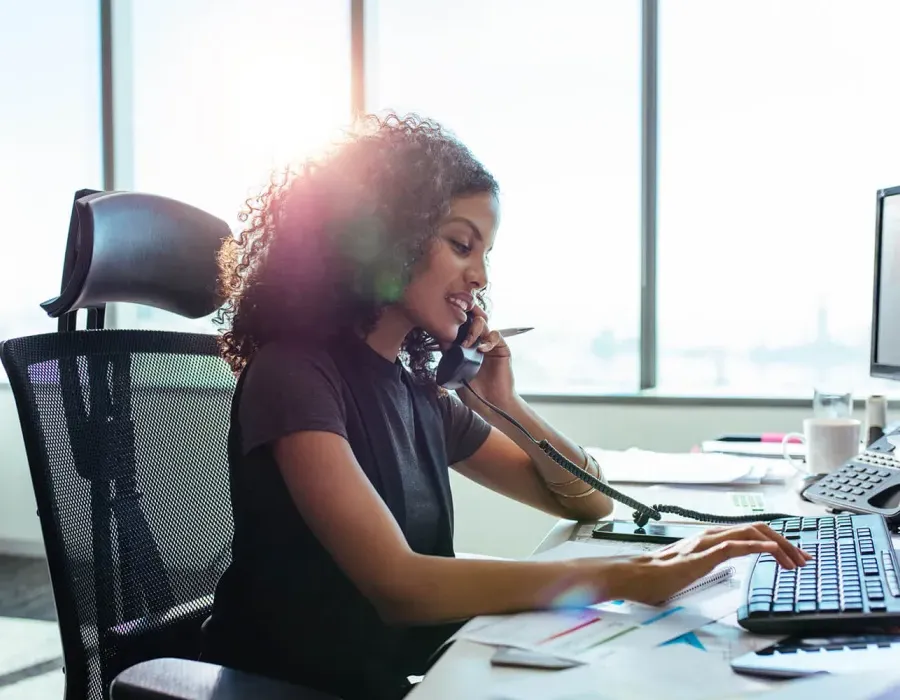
[290,389]
[284,608]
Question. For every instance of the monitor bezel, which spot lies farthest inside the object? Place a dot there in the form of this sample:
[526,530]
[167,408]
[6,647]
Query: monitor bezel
[876,369]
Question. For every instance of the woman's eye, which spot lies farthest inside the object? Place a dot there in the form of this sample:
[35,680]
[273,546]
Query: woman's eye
[460,247]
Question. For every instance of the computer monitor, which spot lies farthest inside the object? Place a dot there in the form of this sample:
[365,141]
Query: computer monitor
[885,348]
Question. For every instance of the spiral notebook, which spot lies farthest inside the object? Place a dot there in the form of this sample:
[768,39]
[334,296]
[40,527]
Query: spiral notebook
[711,579]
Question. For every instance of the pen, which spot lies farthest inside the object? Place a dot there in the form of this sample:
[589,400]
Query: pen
[510,332]
[759,437]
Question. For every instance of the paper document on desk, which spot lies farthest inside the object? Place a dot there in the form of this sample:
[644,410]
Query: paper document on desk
[671,672]
[646,467]
[724,642]
[585,634]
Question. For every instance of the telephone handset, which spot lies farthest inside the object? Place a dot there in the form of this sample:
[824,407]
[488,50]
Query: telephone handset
[458,365]
[867,483]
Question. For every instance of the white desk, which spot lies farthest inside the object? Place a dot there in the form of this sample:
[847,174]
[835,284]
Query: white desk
[464,671]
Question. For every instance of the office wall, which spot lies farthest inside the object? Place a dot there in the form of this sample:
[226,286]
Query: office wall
[486,523]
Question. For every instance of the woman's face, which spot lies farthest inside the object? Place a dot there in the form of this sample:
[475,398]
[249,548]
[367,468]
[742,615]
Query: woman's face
[444,284]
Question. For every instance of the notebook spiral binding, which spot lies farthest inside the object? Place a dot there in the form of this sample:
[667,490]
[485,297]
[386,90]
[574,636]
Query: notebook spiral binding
[710,579]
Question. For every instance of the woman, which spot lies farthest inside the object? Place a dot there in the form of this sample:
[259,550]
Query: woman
[343,575]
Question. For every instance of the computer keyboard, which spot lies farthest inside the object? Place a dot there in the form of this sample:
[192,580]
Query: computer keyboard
[851,585]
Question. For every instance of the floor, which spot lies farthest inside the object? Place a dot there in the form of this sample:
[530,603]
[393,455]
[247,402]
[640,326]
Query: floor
[30,651]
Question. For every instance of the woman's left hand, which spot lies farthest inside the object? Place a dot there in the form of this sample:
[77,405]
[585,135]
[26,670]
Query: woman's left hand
[494,380]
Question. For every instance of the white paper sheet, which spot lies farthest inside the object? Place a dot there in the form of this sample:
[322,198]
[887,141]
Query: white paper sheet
[676,672]
[644,466]
[586,634]
[725,642]
[566,634]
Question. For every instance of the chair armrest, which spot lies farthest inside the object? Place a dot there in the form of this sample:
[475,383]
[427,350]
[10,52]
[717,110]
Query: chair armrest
[180,679]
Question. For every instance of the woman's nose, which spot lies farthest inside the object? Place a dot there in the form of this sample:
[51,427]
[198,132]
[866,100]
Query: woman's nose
[476,275]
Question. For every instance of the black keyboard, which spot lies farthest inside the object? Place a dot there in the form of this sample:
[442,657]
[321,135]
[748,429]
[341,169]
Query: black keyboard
[851,584]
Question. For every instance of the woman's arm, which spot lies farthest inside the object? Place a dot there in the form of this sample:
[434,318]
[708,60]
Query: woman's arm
[498,464]
[349,518]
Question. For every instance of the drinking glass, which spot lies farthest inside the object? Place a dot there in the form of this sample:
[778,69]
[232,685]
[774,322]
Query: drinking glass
[831,404]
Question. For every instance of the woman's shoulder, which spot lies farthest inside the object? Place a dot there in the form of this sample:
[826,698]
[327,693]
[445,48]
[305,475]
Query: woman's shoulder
[293,368]
[289,387]
[289,358]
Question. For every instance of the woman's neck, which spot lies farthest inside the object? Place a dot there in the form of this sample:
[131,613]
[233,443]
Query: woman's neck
[389,333]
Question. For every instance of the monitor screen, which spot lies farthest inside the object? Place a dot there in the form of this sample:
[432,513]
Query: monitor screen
[886,316]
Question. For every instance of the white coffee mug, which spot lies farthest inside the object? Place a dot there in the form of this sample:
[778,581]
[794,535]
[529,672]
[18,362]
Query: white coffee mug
[829,443]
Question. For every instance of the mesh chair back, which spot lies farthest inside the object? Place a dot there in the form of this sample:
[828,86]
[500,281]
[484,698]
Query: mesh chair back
[126,437]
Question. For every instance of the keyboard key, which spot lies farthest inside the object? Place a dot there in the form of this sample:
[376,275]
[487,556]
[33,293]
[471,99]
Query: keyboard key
[763,575]
[758,609]
[850,552]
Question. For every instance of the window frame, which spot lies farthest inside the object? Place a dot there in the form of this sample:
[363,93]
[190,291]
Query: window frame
[116,136]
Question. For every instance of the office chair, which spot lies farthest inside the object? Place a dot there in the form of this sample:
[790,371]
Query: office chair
[126,437]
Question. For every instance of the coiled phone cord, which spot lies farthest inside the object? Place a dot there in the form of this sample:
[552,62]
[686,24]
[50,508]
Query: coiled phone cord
[642,513]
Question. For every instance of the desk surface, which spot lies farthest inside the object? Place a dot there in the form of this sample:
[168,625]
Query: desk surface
[464,671]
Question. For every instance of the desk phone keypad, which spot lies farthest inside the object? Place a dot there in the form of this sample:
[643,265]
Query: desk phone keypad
[857,481]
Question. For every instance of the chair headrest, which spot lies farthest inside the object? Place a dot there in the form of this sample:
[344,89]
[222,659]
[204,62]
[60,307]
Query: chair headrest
[144,249]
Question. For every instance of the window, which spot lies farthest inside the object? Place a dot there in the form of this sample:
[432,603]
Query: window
[774,131]
[225,91]
[50,140]
[777,124]
[548,98]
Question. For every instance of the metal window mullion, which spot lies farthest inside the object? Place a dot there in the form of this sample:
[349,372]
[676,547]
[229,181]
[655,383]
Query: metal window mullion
[116,71]
[649,183]
[357,58]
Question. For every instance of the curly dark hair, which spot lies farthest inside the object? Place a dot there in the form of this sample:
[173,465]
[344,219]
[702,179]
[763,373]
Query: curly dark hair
[327,246]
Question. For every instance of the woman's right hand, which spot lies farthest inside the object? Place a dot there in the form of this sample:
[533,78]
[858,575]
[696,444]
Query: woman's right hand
[654,577]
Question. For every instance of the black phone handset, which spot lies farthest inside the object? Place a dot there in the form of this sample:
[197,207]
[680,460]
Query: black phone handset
[458,365]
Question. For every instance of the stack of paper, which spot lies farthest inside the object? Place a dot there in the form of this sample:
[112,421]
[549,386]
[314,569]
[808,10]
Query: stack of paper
[644,466]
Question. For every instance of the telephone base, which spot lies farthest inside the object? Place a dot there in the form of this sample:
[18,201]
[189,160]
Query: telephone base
[806,482]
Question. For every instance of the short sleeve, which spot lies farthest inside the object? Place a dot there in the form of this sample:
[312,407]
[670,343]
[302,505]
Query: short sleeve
[289,389]
[464,429]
